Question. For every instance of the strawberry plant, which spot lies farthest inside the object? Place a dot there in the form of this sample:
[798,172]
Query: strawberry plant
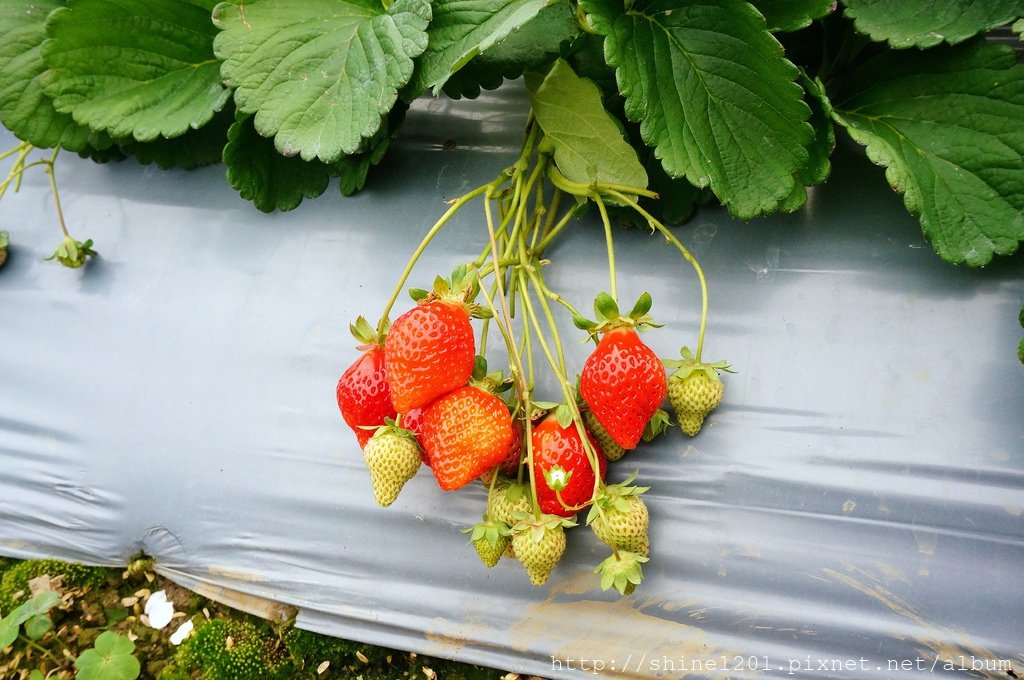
[640,111]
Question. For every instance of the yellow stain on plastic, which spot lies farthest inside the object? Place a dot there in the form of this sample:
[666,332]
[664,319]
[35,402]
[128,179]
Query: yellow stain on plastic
[644,645]
[943,646]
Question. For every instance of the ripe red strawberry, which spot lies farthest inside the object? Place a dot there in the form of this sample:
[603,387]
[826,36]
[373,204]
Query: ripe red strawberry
[429,352]
[364,397]
[623,382]
[557,446]
[465,433]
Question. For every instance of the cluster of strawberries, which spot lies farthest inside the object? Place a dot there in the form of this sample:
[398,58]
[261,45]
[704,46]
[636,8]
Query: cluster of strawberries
[418,394]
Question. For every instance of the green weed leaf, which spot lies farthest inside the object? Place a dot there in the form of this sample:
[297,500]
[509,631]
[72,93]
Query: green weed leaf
[925,23]
[946,124]
[25,108]
[38,626]
[39,604]
[713,94]
[588,145]
[261,175]
[320,75]
[461,29]
[134,68]
[791,15]
[110,659]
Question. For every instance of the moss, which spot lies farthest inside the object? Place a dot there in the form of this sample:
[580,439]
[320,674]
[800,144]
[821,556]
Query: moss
[226,649]
[14,588]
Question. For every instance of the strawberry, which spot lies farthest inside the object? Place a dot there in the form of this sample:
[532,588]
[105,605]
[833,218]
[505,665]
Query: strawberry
[539,543]
[465,433]
[559,450]
[429,352]
[623,383]
[393,457]
[612,450]
[491,539]
[508,499]
[694,390]
[620,519]
[622,571]
[364,397]
[430,349]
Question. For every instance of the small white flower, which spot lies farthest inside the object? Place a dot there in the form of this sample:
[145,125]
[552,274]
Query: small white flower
[183,632]
[159,610]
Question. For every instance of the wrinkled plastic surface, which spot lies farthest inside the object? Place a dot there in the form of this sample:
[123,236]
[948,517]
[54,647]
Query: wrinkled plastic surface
[855,502]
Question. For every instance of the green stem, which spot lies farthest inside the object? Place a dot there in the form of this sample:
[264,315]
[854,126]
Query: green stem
[670,237]
[611,247]
[56,194]
[551,234]
[454,207]
[568,390]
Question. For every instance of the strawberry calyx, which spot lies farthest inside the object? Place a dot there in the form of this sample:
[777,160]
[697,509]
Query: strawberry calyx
[494,382]
[622,571]
[538,525]
[489,530]
[557,478]
[72,253]
[391,427]
[689,365]
[460,289]
[366,335]
[657,425]
[609,317]
[615,497]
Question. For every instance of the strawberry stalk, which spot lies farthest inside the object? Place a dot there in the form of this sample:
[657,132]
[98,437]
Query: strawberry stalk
[453,208]
[670,237]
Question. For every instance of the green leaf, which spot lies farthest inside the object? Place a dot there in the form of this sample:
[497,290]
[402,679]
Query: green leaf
[792,15]
[946,124]
[261,175]
[25,109]
[353,170]
[319,74]
[588,145]
[38,626]
[193,149]
[1018,27]
[535,45]
[109,659]
[713,94]
[461,29]
[134,68]
[925,23]
[38,604]
[818,165]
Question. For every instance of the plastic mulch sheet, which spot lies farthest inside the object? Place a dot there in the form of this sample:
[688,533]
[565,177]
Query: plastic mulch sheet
[852,510]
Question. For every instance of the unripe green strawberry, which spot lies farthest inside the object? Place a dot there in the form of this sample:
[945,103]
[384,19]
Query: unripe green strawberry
[509,500]
[693,398]
[612,451]
[694,390]
[491,539]
[619,517]
[393,457]
[625,529]
[539,545]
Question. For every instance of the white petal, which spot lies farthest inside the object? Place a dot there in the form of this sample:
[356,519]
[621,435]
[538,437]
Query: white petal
[183,632]
[159,598]
[159,610]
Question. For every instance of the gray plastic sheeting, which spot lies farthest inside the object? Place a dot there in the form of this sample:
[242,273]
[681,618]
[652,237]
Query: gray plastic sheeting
[854,507]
